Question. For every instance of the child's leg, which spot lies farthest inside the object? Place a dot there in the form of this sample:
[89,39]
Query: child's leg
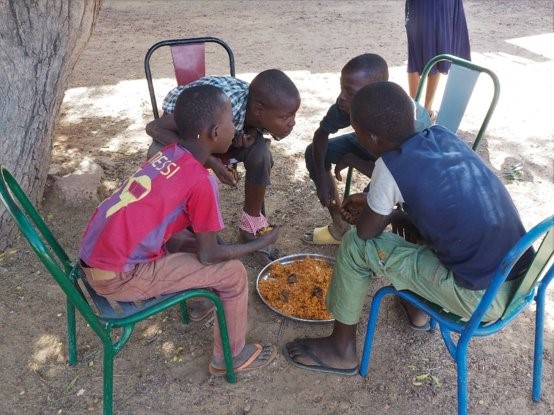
[345,298]
[183,271]
[417,268]
[258,162]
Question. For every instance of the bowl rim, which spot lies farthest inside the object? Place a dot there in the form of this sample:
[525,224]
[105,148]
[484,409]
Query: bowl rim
[286,260]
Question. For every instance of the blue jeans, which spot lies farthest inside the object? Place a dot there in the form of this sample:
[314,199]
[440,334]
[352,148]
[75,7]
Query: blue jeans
[336,148]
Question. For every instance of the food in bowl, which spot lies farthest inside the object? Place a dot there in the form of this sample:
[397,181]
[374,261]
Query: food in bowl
[299,288]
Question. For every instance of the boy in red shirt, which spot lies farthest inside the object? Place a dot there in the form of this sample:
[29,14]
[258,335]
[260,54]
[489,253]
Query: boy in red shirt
[157,233]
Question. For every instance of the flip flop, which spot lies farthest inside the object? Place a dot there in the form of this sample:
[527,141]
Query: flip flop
[249,364]
[320,367]
[423,327]
[320,236]
[207,312]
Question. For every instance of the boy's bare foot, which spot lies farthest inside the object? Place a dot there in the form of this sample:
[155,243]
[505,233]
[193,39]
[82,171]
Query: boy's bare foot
[320,355]
[253,356]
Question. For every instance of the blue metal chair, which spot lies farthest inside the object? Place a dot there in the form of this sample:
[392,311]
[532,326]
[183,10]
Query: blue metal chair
[102,316]
[532,287]
[461,81]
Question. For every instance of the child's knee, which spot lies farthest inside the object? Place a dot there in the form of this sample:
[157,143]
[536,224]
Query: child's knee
[238,274]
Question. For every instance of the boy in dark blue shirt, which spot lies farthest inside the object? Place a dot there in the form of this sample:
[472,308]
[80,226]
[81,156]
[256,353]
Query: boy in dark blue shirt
[344,151]
[452,201]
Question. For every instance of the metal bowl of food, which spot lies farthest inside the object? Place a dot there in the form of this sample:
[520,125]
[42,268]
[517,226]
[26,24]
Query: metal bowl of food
[295,286]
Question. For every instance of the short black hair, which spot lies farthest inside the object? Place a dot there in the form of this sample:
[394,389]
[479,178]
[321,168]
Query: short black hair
[196,109]
[273,88]
[372,65]
[385,110]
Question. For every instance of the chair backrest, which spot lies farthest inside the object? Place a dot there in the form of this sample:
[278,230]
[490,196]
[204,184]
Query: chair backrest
[541,267]
[543,260]
[189,61]
[42,241]
[460,84]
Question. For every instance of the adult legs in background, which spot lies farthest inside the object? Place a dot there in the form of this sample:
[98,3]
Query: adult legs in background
[430,87]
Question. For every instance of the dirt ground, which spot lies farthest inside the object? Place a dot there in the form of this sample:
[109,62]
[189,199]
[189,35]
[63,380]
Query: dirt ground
[163,368]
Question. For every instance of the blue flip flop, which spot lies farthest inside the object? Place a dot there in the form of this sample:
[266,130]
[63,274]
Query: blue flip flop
[320,367]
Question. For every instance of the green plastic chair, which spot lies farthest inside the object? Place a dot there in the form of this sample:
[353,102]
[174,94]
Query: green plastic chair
[460,84]
[101,315]
[532,288]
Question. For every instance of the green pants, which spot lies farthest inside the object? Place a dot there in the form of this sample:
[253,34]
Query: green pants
[408,266]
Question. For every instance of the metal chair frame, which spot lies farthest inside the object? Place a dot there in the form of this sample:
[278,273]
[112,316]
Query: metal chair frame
[181,42]
[532,287]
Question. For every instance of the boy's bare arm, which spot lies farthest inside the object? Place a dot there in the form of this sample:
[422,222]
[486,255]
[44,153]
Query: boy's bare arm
[323,181]
[212,252]
[163,129]
[370,224]
[319,147]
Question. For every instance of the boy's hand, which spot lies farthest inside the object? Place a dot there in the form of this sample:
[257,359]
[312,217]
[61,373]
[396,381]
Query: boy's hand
[226,174]
[245,138]
[269,234]
[352,207]
[325,192]
[342,164]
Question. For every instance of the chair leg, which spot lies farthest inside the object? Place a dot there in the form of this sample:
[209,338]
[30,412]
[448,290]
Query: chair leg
[371,325]
[539,345]
[227,354]
[461,364]
[109,355]
[348,182]
[71,334]
[184,312]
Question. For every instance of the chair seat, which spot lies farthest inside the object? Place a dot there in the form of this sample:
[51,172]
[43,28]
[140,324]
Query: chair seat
[118,310]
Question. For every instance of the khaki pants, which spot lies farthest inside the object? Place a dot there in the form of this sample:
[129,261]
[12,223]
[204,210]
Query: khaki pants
[408,267]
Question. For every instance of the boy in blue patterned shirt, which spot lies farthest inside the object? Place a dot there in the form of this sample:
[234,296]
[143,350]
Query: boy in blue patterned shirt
[268,104]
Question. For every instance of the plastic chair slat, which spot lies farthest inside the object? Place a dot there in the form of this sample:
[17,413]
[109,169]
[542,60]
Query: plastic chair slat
[189,62]
[543,257]
[457,93]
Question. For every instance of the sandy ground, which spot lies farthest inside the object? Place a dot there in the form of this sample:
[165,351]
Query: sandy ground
[163,369]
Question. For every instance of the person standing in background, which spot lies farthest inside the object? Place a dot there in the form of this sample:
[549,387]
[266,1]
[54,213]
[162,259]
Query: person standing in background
[434,27]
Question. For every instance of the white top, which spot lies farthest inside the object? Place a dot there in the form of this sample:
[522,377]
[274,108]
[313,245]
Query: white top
[384,193]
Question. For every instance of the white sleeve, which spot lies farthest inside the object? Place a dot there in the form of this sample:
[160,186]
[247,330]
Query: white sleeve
[384,193]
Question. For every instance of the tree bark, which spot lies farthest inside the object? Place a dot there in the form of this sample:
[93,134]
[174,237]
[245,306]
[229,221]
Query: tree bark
[40,41]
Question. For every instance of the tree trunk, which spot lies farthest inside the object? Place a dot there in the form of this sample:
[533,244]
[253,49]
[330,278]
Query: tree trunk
[40,41]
